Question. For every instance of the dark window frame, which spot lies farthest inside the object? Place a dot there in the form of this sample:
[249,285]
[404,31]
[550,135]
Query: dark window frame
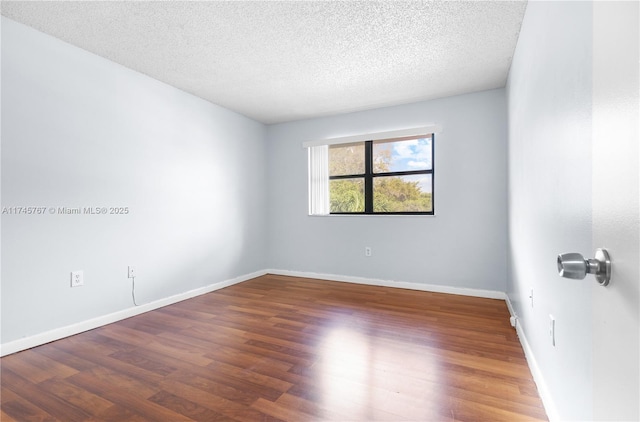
[369,175]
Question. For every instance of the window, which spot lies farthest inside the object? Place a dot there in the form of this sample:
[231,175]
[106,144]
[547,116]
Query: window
[377,176]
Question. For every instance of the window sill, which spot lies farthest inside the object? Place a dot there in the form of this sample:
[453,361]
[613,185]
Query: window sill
[372,215]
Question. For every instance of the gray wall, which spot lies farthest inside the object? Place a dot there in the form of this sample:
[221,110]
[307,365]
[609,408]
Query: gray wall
[464,245]
[81,131]
[550,170]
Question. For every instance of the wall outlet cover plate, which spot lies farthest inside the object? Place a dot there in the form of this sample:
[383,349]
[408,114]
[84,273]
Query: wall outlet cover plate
[77,278]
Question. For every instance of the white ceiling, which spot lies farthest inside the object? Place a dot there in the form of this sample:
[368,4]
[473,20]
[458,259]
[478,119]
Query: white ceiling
[277,61]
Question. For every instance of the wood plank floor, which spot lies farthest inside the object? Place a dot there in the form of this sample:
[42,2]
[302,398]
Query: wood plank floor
[284,349]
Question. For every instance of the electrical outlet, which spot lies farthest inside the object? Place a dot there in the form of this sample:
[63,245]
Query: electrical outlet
[531,296]
[552,329]
[77,278]
[367,251]
[131,271]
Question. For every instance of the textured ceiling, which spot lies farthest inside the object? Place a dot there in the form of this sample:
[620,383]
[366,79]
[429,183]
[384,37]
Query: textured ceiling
[278,61]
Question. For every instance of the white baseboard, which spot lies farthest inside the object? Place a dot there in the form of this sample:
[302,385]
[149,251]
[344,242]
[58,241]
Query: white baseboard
[543,390]
[62,332]
[491,294]
[70,330]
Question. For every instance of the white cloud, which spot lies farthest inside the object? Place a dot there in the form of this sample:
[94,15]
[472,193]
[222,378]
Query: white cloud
[403,150]
[417,164]
[414,149]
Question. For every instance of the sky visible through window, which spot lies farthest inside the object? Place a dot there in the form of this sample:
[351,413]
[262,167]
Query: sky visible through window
[413,154]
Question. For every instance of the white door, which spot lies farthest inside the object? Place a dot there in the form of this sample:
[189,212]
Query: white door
[616,215]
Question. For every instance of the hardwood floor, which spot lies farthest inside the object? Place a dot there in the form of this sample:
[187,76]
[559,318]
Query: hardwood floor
[284,348]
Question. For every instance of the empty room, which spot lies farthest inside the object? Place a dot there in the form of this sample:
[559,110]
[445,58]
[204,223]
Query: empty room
[320,211]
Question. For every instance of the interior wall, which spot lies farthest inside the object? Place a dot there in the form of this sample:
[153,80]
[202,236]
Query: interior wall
[463,245]
[79,131]
[549,94]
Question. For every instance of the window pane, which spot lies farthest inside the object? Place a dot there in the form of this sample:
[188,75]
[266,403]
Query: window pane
[346,159]
[347,195]
[412,154]
[403,193]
